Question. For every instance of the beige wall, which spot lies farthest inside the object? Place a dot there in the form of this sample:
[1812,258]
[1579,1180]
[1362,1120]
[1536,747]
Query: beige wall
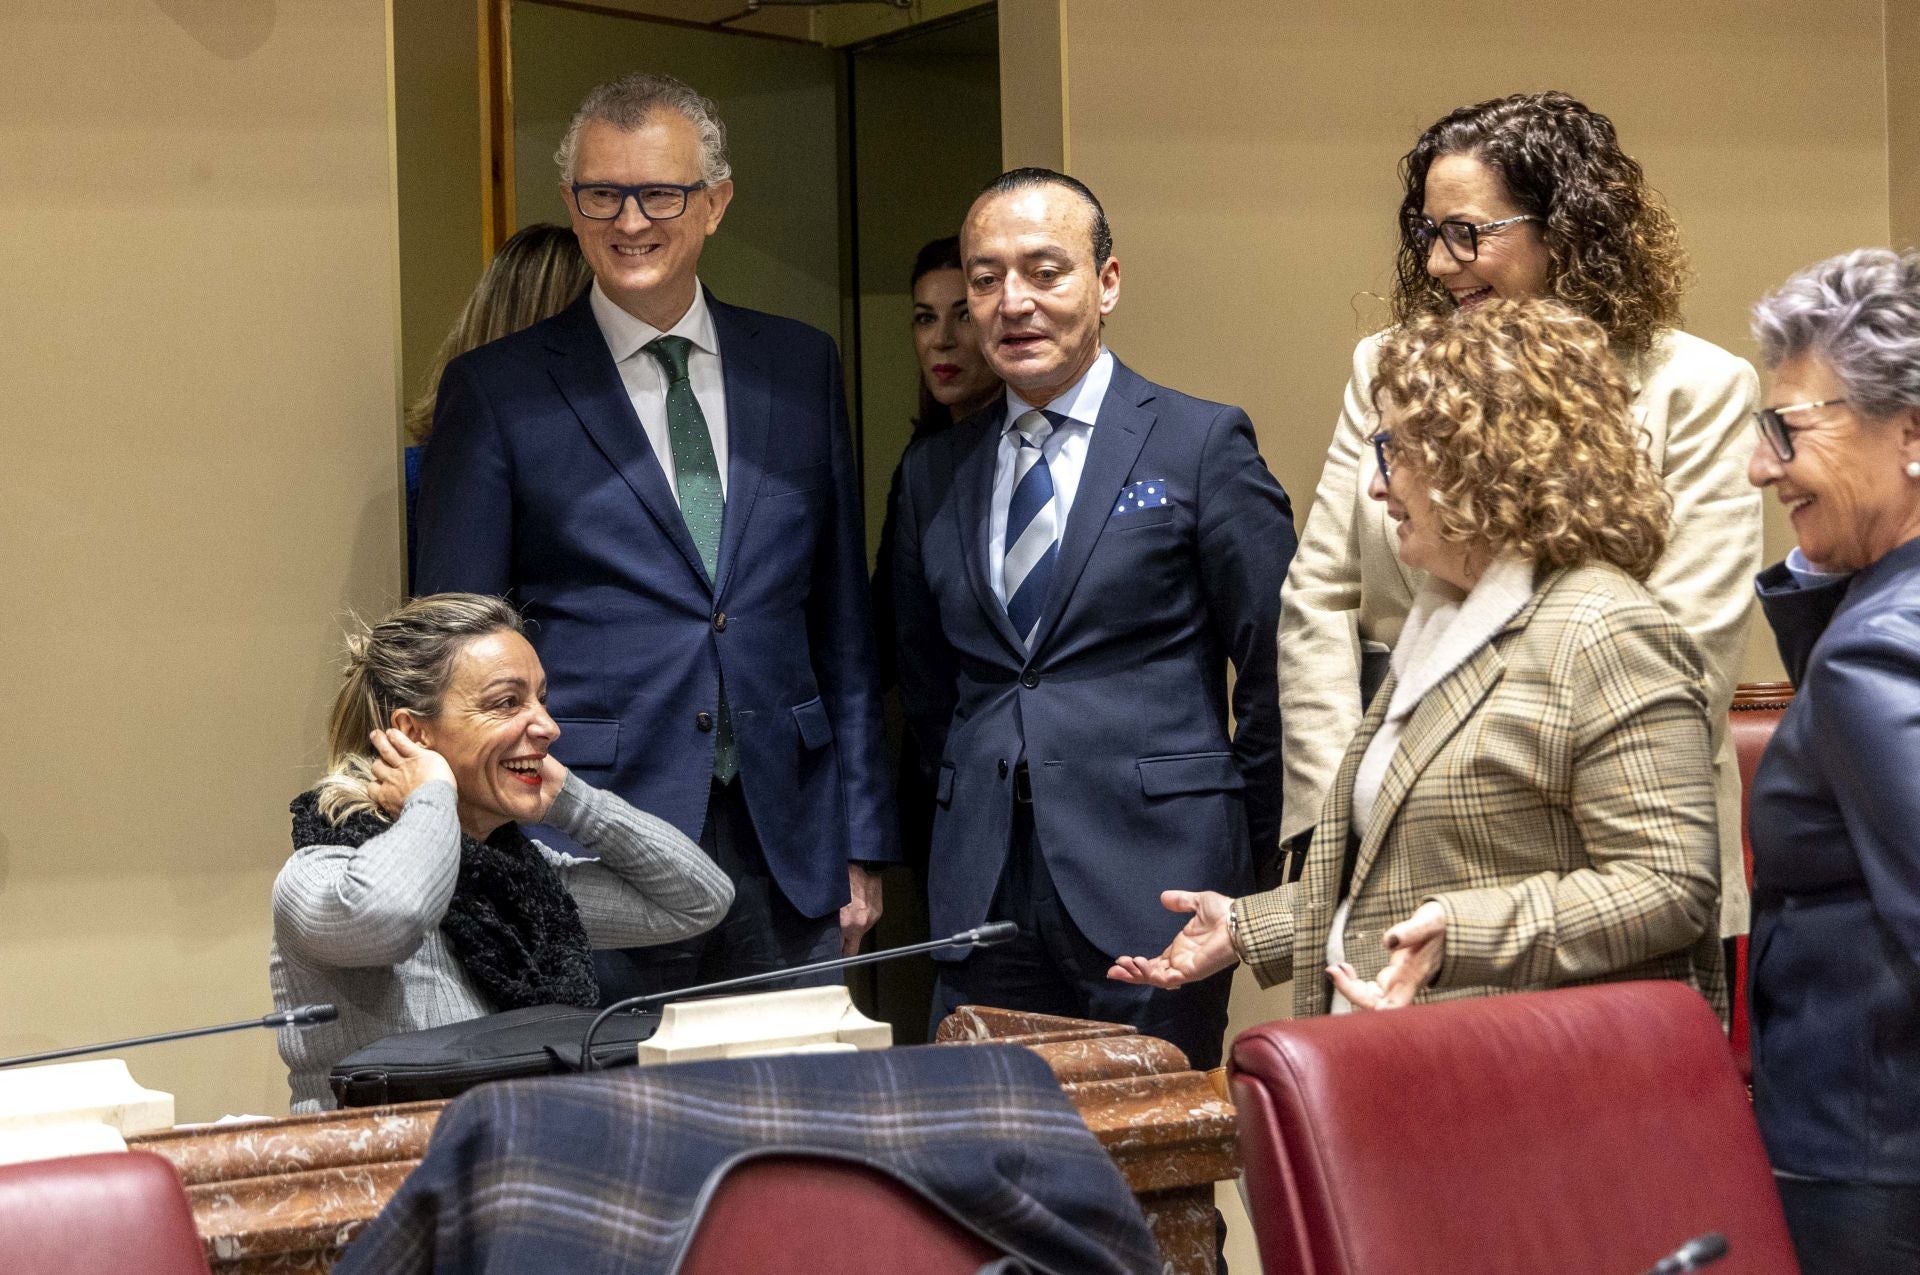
[199,331]
[1903,121]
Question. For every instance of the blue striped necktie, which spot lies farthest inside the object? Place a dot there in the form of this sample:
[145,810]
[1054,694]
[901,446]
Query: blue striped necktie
[1033,536]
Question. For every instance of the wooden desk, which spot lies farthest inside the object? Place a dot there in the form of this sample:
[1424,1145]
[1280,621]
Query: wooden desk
[287,1195]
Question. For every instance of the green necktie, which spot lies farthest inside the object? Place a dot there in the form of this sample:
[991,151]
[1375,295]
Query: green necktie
[696,478]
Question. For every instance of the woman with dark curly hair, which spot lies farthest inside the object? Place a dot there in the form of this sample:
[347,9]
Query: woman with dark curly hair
[1518,197]
[1529,802]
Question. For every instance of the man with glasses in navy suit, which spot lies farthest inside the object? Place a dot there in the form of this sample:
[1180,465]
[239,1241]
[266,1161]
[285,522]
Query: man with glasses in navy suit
[1078,566]
[665,484]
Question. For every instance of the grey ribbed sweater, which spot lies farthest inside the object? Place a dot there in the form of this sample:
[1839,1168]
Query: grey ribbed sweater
[360,926]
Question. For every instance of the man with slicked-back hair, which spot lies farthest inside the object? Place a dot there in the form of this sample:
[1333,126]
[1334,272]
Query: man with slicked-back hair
[1077,568]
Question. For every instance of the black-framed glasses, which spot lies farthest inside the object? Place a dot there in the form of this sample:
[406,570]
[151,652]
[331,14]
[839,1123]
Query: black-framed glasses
[1462,238]
[659,201]
[1383,453]
[1772,424]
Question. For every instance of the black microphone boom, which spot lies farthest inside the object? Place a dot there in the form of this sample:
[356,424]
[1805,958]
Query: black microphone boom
[300,1016]
[980,936]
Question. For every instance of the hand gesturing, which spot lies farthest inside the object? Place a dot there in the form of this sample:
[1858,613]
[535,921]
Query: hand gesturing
[1203,948]
[1418,944]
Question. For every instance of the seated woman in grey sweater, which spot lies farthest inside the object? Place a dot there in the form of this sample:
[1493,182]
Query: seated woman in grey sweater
[413,899]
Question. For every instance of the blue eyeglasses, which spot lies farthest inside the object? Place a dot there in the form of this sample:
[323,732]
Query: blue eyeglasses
[1383,453]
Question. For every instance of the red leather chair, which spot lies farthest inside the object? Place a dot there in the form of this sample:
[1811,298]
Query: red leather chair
[123,1211]
[1587,1131]
[793,1215]
[1757,709]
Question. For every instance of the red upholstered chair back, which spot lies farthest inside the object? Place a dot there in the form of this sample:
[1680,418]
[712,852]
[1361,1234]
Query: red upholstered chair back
[1588,1131]
[799,1214]
[1757,709]
[124,1212]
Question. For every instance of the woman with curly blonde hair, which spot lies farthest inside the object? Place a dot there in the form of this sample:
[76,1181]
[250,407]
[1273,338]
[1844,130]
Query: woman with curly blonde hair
[1529,802]
[1514,198]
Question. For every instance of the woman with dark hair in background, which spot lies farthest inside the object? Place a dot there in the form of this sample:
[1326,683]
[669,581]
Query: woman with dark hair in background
[536,274]
[955,382]
[1835,808]
[1514,198]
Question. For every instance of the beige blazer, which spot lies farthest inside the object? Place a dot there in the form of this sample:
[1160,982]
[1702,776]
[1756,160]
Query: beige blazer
[1347,585]
[1554,794]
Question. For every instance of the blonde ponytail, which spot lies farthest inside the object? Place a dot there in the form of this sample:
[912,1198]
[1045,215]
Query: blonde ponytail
[404,661]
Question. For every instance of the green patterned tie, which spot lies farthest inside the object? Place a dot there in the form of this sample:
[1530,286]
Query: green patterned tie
[696,478]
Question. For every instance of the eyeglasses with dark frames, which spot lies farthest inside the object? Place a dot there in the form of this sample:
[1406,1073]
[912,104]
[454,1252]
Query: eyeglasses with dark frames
[1383,453]
[658,201]
[1462,238]
[1772,424]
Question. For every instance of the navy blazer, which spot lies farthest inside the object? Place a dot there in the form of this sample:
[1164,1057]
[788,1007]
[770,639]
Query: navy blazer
[1121,708]
[1834,814]
[539,483]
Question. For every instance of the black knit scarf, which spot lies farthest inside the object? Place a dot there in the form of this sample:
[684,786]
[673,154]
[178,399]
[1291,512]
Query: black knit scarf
[511,923]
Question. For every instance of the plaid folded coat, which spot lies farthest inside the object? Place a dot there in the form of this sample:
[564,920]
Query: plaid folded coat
[605,1173]
[1555,794]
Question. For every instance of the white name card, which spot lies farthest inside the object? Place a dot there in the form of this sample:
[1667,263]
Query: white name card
[803,1020]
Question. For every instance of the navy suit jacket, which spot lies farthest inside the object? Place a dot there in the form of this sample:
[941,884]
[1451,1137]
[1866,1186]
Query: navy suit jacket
[540,484]
[1121,708]
[1834,814]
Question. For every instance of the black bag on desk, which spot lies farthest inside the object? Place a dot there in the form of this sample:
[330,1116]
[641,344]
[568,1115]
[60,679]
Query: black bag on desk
[443,1062]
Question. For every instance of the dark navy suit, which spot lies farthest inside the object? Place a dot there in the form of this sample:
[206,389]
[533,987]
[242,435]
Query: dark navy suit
[540,483]
[1835,820]
[1120,709]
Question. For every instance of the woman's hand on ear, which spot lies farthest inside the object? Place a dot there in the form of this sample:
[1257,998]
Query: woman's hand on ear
[401,766]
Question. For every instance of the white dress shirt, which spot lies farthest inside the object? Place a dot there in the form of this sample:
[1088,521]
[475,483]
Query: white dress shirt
[646,380]
[1066,452]
[1806,575]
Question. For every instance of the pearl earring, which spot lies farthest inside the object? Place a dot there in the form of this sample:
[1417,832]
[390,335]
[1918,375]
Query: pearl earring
[1913,469]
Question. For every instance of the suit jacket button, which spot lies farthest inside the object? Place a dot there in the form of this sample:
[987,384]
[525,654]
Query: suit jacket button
[720,622]
[703,720]
[1002,768]
[1030,680]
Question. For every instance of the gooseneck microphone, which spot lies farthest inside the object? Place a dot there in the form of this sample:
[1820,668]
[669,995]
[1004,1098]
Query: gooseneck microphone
[980,936]
[299,1016]
[1701,1250]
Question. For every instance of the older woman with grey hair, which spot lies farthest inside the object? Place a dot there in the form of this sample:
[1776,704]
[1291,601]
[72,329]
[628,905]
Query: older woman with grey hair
[1835,807]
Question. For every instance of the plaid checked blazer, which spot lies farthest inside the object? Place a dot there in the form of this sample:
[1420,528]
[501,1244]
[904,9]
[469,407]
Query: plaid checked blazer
[608,1174]
[1555,794]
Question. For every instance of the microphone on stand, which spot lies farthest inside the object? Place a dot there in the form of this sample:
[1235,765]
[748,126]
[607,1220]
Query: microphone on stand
[980,936]
[299,1016]
[1701,1250]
